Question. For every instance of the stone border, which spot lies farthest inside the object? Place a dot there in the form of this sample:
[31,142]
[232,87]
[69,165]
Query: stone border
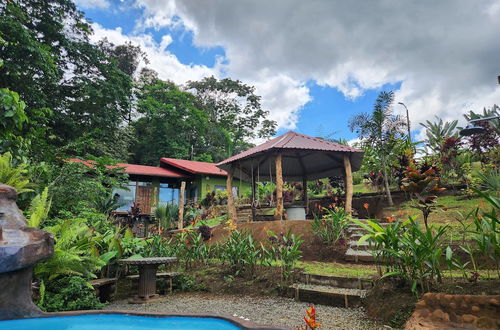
[233,320]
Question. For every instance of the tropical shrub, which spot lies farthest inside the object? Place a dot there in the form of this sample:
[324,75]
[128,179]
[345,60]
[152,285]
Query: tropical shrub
[158,246]
[39,209]
[205,232]
[166,214]
[407,251]
[240,251]
[284,249]
[68,293]
[14,176]
[74,252]
[194,249]
[423,186]
[485,233]
[332,226]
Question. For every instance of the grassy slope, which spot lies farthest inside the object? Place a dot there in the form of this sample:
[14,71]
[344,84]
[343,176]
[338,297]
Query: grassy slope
[456,208]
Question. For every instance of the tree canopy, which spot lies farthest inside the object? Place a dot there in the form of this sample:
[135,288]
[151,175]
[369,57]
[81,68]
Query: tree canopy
[99,99]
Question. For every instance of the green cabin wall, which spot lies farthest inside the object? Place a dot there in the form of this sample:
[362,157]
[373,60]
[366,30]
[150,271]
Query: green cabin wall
[207,184]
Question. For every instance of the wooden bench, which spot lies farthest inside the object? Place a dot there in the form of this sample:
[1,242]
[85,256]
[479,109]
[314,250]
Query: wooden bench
[103,287]
[168,276]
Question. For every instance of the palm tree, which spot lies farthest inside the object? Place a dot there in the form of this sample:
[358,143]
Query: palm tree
[381,130]
[166,214]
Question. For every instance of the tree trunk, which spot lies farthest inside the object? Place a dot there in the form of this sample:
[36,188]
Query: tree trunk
[386,183]
[348,184]
[181,205]
[231,207]
[279,188]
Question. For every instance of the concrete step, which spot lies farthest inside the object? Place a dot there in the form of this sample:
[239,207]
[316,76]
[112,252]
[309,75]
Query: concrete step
[366,245]
[326,295]
[337,281]
[359,255]
[356,230]
[356,236]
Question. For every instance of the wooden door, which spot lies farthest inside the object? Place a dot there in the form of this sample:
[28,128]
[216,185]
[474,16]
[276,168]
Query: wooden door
[144,197]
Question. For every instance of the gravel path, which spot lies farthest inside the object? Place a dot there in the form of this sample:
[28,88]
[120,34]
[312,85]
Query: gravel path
[261,310]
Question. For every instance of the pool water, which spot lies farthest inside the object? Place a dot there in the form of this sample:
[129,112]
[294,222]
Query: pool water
[117,322]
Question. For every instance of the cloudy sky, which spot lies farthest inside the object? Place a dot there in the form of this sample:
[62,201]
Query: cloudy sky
[317,62]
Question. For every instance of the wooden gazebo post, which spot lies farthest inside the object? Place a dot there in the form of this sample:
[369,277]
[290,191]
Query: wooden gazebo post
[279,188]
[254,202]
[305,198]
[231,207]
[348,184]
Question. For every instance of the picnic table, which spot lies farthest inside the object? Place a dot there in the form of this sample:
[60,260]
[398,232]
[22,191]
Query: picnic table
[147,276]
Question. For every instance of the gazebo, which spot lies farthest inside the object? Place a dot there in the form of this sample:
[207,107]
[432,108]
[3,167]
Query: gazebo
[292,157]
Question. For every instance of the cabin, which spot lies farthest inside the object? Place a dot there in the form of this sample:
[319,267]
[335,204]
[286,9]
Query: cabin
[155,185]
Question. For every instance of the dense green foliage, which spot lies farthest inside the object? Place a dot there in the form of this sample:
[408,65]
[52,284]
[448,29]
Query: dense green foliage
[71,293]
[61,95]
[332,226]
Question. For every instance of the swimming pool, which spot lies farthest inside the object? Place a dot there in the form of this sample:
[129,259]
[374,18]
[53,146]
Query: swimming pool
[117,322]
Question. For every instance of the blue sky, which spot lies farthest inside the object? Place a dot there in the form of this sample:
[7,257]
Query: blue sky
[328,61]
[327,114]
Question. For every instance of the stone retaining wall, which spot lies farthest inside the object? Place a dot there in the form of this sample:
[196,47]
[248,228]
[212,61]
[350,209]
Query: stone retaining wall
[444,311]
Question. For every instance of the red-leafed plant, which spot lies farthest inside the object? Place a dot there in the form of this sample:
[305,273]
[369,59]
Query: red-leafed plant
[310,319]
[423,187]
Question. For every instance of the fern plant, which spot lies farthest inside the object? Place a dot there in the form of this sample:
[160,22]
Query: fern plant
[14,176]
[73,252]
[39,209]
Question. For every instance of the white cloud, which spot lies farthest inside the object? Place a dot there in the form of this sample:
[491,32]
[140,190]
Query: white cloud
[281,95]
[445,52]
[161,60]
[93,4]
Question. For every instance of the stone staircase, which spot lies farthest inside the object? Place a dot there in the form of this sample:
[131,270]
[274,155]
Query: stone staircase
[359,252]
[334,291]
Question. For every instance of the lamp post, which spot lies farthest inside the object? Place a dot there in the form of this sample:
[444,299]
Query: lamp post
[407,121]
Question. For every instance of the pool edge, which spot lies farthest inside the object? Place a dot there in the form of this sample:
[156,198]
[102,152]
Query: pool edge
[233,320]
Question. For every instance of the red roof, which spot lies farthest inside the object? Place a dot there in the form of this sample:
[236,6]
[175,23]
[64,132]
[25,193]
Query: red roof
[194,167]
[292,140]
[139,169]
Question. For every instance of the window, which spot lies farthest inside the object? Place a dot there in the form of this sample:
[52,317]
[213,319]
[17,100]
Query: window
[168,194]
[125,196]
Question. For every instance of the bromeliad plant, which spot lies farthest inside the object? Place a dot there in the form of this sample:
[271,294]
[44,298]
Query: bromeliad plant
[423,187]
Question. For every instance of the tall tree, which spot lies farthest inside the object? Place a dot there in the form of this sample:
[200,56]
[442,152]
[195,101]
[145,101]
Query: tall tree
[380,129]
[171,125]
[234,108]
[50,62]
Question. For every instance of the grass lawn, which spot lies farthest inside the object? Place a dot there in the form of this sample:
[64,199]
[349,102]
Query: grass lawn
[367,271]
[337,269]
[363,188]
